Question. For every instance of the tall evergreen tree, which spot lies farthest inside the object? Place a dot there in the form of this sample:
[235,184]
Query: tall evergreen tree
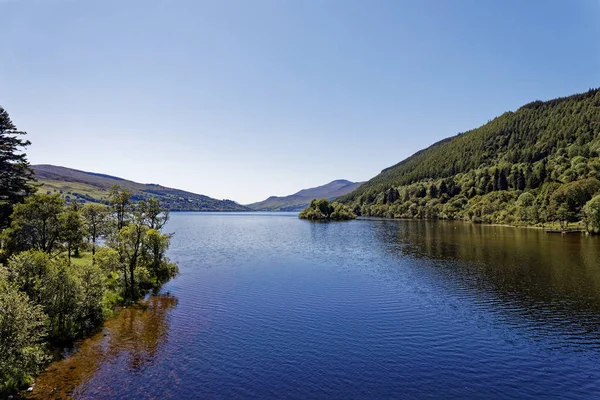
[520,180]
[16,175]
[496,179]
[502,181]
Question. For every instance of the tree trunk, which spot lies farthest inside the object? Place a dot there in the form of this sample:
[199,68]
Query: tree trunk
[132,276]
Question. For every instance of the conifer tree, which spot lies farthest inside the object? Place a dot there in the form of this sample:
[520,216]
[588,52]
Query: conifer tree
[16,175]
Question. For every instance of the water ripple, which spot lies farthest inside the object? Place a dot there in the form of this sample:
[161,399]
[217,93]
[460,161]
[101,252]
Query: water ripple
[269,306]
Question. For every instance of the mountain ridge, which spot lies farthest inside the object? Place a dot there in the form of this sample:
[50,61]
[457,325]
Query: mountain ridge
[83,186]
[299,200]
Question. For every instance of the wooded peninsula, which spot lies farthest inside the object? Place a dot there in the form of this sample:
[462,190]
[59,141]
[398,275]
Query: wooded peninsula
[65,267]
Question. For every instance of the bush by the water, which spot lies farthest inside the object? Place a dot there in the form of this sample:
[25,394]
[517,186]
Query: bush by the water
[323,210]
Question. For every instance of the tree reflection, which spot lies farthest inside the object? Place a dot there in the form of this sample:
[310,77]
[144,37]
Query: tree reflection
[133,340]
[551,281]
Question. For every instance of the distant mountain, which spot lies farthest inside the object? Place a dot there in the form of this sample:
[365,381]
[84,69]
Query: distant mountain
[301,199]
[81,186]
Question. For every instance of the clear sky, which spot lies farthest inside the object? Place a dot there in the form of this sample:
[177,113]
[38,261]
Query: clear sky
[246,99]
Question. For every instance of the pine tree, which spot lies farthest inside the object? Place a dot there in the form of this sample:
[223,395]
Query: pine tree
[16,175]
[520,180]
[502,181]
[496,180]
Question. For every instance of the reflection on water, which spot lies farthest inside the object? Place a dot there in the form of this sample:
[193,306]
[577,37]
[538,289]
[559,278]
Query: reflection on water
[552,281]
[130,341]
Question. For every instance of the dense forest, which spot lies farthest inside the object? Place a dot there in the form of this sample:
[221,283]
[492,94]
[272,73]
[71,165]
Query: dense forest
[64,267]
[535,166]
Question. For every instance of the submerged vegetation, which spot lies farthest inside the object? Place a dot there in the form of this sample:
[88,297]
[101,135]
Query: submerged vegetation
[56,282]
[323,210]
[538,165]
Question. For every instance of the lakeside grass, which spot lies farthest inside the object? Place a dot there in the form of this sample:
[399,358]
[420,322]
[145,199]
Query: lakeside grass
[85,258]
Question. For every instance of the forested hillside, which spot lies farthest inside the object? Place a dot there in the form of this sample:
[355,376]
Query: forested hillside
[80,186]
[536,165]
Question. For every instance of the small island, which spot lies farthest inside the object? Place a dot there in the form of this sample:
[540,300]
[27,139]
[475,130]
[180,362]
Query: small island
[323,210]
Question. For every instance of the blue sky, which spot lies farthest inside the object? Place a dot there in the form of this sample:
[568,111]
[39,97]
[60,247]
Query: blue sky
[246,99]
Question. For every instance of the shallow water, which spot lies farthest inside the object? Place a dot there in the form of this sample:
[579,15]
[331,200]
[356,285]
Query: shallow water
[269,306]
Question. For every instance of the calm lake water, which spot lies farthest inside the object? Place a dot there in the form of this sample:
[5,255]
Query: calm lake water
[268,306]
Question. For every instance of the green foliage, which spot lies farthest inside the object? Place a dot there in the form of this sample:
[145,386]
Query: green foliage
[43,295]
[72,232]
[22,334]
[153,257]
[155,217]
[16,176]
[29,271]
[95,221]
[591,214]
[70,295]
[536,165]
[108,260]
[571,197]
[36,224]
[63,299]
[323,210]
[141,248]
[120,204]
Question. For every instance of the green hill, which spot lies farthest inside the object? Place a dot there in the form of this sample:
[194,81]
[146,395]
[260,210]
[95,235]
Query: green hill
[538,164]
[81,186]
[301,199]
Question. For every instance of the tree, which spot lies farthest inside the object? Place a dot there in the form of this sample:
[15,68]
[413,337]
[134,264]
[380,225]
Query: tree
[95,219]
[154,215]
[36,223]
[120,202]
[591,214]
[92,287]
[16,176]
[502,181]
[323,210]
[433,191]
[115,271]
[72,229]
[61,301]
[564,215]
[572,196]
[520,180]
[128,243]
[29,271]
[443,187]
[156,244]
[496,179]
[22,334]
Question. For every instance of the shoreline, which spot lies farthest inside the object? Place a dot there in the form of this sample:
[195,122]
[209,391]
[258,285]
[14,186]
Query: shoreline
[544,228]
[72,360]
